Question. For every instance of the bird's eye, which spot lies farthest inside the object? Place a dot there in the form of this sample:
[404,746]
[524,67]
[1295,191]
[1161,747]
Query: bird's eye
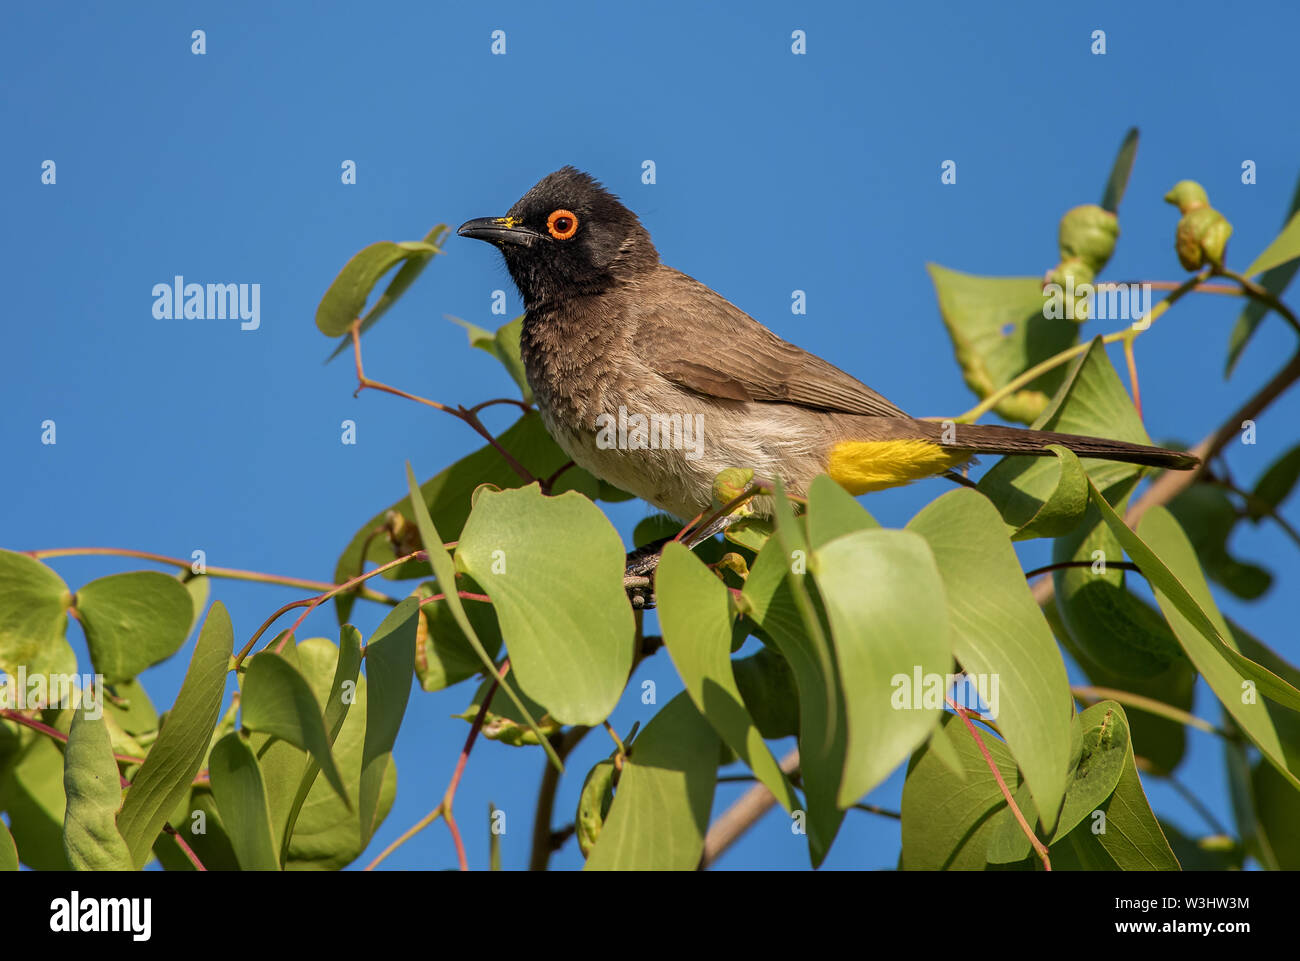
[562,224]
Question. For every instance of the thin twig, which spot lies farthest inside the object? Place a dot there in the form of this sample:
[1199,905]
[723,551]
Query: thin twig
[227,573]
[1265,296]
[185,848]
[9,714]
[409,833]
[1172,483]
[468,414]
[448,799]
[1063,565]
[315,602]
[877,809]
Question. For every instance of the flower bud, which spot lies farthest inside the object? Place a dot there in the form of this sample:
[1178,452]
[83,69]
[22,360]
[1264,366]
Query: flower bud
[1088,233]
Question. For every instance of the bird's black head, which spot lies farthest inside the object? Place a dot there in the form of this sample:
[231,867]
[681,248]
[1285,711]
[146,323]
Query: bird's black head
[567,236]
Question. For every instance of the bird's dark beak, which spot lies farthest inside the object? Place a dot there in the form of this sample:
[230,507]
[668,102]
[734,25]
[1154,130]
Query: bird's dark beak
[498,231]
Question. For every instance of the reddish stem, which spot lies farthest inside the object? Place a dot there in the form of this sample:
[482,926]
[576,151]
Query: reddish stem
[1006,792]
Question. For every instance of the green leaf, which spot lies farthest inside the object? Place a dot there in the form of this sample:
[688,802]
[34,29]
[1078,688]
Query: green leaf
[1208,518]
[999,331]
[661,810]
[1103,746]
[1091,401]
[695,617]
[133,621]
[131,708]
[418,258]
[390,665]
[1275,485]
[347,295]
[240,793]
[277,700]
[998,631]
[948,820]
[8,850]
[31,791]
[198,588]
[1060,512]
[1180,589]
[1009,843]
[326,835]
[506,723]
[1130,833]
[553,567]
[1212,853]
[342,693]
[504,346]
[1277,807]
[164,778]
[1160,741]
[1285,246]
[767,686]
[33,610]
[281,762]
[1109,624]
[1275,281]
[1268,827]
[447,497]
[888,612]
[444,570]
[771,604]
[444,656]
[751,533]
[833,511]
[94,793]
[1119,173]
[1185,599]
[1241,793]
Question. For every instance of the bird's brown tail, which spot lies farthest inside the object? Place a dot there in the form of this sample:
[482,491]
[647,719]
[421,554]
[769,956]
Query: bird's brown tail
[994,439]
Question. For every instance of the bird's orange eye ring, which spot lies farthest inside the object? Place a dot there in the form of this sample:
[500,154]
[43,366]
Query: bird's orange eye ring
[562,224]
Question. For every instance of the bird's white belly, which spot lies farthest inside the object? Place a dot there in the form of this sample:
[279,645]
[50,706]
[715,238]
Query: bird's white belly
[672,464]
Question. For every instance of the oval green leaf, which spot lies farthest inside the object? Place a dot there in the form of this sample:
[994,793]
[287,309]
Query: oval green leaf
[553,567]
[277,700]
[999,633]
[343,301]
[133,621]
[695,616]
[33,610]
[240,793]
[661,810]
[889,620]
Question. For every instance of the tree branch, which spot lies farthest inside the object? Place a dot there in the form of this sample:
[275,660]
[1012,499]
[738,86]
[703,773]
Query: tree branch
[742,815]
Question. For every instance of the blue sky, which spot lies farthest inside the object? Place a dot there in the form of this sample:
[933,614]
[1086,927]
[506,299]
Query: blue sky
[775,172]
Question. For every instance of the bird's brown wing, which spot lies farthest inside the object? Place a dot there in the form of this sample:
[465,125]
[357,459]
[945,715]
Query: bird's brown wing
[713,347]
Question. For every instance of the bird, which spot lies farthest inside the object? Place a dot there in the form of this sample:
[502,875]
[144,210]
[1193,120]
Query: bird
[656,383]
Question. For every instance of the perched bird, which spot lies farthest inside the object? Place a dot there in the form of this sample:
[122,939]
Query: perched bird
[655,383]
